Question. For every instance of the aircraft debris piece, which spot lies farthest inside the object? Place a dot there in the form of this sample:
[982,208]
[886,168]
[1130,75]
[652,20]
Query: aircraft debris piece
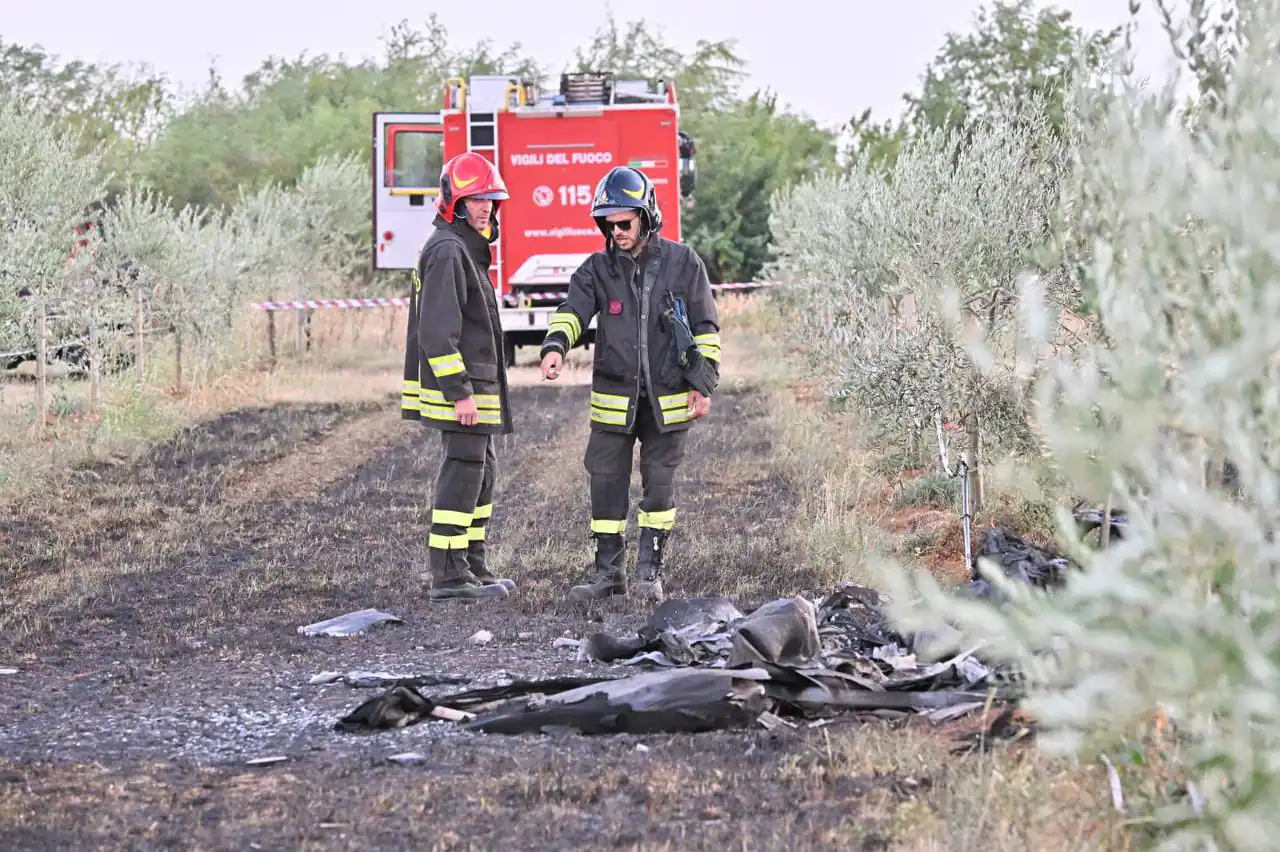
[350,624]
[701,664]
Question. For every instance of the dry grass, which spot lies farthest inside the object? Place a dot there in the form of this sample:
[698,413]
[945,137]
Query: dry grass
[638,800]
[846,518]
[200,559]
[873,785]
[355,357]
[352,359]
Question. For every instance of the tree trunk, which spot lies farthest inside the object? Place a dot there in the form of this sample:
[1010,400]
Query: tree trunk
[139,347]
[177,361]
[42,374]
[95,368]
[943,457]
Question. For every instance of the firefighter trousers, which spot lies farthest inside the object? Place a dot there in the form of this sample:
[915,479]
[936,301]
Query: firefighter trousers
[463,501]
[608,461]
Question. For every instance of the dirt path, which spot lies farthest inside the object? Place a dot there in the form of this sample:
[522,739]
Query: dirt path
[152,610]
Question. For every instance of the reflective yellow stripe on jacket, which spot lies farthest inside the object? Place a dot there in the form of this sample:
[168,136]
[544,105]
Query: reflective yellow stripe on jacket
[446,365]
[410,395]
[708,345]
[609,408]
[431,403]
[675,408]
[566,323]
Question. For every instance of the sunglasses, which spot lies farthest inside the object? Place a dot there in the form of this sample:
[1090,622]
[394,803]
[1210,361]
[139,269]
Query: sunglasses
[624,225]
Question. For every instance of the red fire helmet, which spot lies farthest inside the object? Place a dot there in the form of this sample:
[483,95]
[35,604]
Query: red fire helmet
[469,175]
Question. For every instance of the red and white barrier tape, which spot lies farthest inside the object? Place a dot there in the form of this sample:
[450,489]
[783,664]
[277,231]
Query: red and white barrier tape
[398,301]
[383,302]
[744,285]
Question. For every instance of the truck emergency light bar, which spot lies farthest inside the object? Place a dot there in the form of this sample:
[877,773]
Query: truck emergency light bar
[577,89]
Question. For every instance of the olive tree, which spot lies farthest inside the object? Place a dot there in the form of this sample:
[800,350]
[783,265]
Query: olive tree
[47,190]
[1180,616]
[911,263]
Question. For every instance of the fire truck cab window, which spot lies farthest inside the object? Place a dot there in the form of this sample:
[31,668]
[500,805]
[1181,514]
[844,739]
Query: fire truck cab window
[416,157]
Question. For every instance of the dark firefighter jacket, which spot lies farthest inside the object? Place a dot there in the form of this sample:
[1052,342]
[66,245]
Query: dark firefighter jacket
[626,298]
[454,343]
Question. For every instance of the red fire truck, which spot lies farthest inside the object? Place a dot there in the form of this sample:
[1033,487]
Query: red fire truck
[551,149]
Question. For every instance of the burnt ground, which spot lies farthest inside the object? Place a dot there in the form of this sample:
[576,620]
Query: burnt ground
[152,609]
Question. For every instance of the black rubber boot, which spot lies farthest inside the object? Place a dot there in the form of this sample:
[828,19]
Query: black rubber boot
[476,561]
[451,580]
[608,577]
[649,563]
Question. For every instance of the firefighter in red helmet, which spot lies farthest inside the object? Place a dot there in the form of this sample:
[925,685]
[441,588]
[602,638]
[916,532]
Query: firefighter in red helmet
[455,377]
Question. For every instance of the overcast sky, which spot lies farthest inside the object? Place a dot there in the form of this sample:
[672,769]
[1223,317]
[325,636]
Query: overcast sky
[828,69]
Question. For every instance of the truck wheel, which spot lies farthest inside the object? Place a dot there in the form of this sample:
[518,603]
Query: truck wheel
[509,351]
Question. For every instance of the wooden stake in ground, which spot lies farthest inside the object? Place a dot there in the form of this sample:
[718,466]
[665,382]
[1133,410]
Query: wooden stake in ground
[298,320]
[1106,525]
[977,490]
[271,336]
[42,375]
[177,359]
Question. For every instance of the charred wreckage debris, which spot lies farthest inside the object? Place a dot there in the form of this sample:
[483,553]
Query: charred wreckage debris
[1032,565]
[701,664]
[704,665]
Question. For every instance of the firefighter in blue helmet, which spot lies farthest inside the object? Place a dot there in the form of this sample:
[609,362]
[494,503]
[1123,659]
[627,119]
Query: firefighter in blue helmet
[657,356]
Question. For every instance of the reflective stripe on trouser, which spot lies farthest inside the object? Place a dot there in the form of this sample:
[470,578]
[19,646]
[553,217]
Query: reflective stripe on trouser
[484,508]
[609,462]
[464,468]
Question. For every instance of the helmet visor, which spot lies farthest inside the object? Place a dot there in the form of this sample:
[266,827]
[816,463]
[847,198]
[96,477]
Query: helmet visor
[601,212]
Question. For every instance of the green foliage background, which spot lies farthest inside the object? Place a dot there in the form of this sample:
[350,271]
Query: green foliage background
[1147,217]
[207,148]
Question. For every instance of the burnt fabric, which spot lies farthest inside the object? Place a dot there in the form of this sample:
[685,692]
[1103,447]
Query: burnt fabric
[784,632]
[609,459]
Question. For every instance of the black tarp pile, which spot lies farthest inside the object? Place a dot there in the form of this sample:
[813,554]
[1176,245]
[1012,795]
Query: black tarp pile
[711,666]
[1091,518]
[1023,561]
[1020,560]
